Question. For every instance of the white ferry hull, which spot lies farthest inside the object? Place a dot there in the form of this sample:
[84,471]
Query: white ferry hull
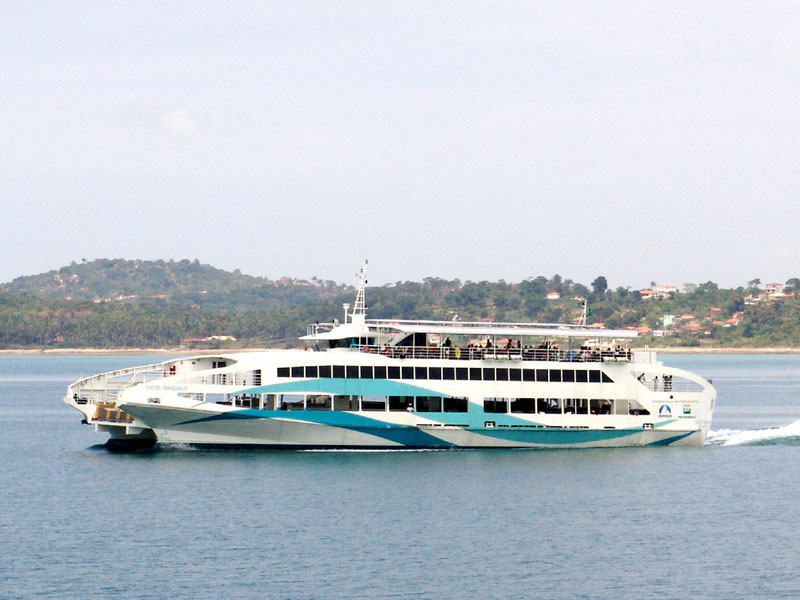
[276,429]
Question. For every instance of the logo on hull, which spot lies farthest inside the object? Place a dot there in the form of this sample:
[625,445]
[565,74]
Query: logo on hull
[664,411]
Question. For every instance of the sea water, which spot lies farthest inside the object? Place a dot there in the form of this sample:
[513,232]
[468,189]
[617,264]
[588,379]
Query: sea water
[719,521]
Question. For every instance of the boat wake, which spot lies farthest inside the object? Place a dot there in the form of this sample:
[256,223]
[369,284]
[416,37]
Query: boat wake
[788,435]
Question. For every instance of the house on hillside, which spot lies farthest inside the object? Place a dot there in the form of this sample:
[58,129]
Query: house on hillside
[662,290]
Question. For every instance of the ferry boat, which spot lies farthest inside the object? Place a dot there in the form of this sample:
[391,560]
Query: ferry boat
[399,384]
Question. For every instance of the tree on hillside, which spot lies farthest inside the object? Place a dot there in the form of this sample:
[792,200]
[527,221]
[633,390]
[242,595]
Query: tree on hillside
[599,286]
[792,285]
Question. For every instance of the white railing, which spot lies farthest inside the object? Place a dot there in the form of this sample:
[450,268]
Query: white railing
[480,353]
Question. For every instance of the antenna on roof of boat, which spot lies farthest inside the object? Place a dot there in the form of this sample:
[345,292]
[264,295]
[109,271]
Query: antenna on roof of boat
[360,306]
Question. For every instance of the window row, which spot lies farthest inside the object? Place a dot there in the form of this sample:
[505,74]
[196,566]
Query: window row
[577,406]
[422,404]
[447,373]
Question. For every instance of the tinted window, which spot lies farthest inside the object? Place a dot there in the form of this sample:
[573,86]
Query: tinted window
[338,370]
[393,372]
[456,405]
[408,372]
[528,375]
[283,371]
[380,372]
[448,373]
[502,374]
[297,372]
[581,376]
[475,373]
[461,373]
[488,374]
[352,371]
[420,372]
[594,376]
[366,372]
[311,371]
[325,371]
[541,375]
[495,405]
[568,375]
[555,374]
[514,374]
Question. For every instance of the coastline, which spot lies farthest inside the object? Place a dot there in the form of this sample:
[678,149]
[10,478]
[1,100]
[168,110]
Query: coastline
[185,351]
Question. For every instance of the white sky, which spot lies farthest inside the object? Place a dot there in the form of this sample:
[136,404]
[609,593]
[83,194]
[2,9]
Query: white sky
[481,140]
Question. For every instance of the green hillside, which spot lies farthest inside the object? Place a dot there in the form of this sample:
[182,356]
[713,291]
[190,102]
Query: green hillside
[130,303]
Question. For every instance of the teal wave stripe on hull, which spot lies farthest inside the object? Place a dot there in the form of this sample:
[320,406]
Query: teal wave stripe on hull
[404,435]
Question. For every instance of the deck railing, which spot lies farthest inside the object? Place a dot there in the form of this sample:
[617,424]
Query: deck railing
[512,354]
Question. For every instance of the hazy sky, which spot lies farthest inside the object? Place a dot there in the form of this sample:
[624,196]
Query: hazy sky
[476,140]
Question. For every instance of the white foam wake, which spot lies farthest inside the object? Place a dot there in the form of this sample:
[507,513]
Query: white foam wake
[737,437]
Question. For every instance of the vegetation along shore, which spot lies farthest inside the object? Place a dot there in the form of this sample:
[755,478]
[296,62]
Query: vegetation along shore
[170,306]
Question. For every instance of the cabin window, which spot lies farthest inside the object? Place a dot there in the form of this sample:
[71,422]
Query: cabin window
[475,374]
[515,375]
[501,374]
[634,408]
[435,373]
[373,402]
[594,376]
[338,371]
[488,374]
[462,374]
[548,405]
[325,371]
[457,405]
[401,403]
[528,375]
[408,372]
[581,376]
[268,401]
[297,372]
[541,375]
[380,372]
[393,372]
[318,402]
[448,373]
[420,372]
[283,371]
[311,371]
[601,407]
[352,371]
[429,404]
[606,378]
[523,405]
[366,372]
[291,402]
[568,376]
[555,374]
[348,403]
[495,405]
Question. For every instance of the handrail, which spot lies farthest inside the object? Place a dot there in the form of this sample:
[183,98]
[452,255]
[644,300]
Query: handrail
[480,353]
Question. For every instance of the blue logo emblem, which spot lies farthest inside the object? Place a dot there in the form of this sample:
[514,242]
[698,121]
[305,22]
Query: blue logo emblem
[664,411]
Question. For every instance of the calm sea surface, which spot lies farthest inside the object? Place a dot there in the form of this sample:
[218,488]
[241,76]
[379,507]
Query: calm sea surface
[721,521]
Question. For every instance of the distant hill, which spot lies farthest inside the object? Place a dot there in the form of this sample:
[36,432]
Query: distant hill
[123,303]
[174,282]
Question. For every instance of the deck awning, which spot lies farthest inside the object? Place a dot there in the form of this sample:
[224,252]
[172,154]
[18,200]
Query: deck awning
[501,329]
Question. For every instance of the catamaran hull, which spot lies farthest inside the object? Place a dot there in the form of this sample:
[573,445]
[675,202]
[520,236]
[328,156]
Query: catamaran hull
[252,428]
